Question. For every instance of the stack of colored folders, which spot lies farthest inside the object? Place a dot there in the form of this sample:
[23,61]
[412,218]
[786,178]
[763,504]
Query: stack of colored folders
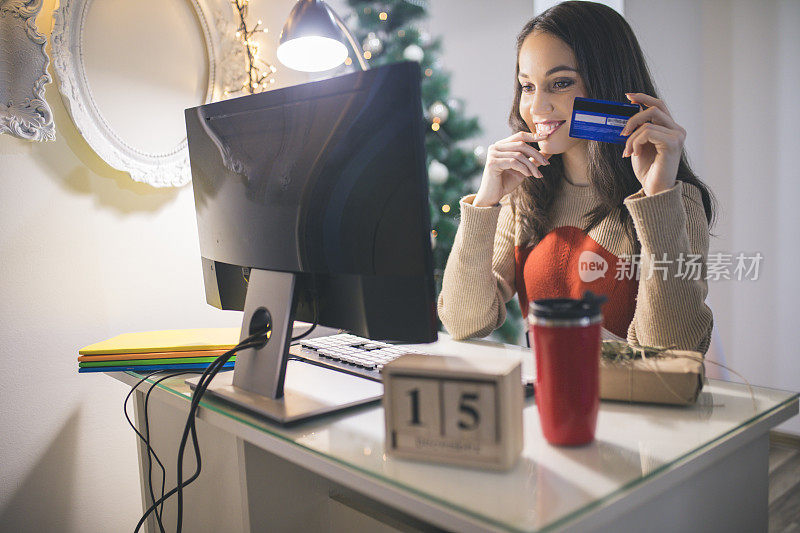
[148,351]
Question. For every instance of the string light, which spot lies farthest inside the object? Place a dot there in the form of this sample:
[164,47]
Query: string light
[428,72]
[445,208]
[383,15]
[401,33]
[258,72]
[367,55]
[348,61]
[435,126]
[434,233]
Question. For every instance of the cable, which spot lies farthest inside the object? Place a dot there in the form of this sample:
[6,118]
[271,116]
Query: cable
[151,454]
[146,440]
[159,511]
[253,341]
[306,332]
[315,300]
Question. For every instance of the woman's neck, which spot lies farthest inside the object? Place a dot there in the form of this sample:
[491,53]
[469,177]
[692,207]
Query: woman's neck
[576,165]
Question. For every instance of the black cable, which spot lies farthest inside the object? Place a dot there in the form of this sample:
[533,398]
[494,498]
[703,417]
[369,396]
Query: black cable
[307,332]
[164,497]
[315,301]
[174,490]
[151,454]
[253,341]
[159,512]
[146,441]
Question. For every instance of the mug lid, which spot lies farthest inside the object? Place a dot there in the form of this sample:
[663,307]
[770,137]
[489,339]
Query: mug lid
[568,308]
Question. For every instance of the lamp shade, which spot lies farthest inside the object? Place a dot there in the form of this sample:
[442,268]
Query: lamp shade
[311,40]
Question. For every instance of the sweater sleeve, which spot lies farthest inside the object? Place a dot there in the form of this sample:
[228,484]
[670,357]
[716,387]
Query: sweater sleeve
[670,303]
[479,275]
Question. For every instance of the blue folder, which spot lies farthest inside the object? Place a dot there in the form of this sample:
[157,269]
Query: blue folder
[152,368]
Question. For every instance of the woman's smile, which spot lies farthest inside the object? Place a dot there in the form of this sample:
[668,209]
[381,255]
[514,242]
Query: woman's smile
[548,127]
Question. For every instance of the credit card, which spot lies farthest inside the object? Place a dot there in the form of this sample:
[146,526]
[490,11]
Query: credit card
[600,120]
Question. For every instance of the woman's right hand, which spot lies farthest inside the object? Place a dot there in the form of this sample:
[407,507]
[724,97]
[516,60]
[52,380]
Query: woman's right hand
[509,162]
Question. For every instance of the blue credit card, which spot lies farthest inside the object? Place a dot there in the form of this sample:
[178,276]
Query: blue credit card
[600,120]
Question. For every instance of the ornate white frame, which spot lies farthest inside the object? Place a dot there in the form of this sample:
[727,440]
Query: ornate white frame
[23,110]
[167,169]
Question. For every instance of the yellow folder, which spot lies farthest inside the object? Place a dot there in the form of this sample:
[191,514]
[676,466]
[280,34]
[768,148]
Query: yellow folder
[151,355]
[170,340]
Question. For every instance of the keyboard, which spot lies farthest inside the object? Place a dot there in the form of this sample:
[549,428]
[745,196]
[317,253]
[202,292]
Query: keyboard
[355,355]
[349,353]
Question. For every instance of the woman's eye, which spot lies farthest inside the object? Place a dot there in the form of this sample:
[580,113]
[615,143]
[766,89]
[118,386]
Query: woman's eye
[526,88]
[563,84]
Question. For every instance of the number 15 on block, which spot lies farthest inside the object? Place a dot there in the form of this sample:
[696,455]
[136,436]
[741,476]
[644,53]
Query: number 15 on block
[454,410]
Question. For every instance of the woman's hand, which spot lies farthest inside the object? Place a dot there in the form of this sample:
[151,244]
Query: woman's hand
[654,145]
[508,163]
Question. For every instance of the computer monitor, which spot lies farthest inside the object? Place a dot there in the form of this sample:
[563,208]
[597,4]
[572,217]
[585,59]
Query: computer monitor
[312,203]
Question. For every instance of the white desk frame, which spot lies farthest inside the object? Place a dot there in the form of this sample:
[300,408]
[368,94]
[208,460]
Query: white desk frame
[257,480]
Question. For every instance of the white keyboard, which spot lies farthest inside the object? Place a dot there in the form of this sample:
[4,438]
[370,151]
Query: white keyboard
[350,353]
[359,356]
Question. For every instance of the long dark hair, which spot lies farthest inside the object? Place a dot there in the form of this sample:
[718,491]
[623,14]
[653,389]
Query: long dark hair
[611,64]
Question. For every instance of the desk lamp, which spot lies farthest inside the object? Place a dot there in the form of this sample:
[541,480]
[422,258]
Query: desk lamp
[311,39]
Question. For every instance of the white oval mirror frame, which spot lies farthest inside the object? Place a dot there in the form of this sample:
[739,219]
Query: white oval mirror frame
[165,168]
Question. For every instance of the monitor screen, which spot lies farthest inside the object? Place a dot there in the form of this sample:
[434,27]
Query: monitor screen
[326,180]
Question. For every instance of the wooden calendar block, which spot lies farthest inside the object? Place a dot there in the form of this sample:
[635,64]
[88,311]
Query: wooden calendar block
[465,411]
[417,404]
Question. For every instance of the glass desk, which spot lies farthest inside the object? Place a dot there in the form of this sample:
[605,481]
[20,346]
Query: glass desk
[705,464]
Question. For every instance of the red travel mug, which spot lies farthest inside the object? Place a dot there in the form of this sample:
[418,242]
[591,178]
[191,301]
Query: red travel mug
[566,340]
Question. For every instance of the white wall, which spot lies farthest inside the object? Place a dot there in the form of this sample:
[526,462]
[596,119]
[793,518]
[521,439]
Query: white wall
[86,254]
[479,50]
[729,72]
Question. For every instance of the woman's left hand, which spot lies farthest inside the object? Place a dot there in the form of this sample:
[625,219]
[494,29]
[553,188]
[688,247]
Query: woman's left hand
[655,144]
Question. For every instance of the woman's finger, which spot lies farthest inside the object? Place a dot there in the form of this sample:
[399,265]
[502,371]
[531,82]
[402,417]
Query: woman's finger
[501,155]
[634,137]
[525,136]
[649,101]
[524,148]
[654,134]
[530,165]
[651,114]
[511,163]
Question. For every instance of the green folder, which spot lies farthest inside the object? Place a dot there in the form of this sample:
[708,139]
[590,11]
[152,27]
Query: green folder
[150,362]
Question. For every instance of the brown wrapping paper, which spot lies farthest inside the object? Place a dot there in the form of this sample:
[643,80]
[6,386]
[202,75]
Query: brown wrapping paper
[675,377]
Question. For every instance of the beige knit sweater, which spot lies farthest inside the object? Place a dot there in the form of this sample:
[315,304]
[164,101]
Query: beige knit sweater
[665,307]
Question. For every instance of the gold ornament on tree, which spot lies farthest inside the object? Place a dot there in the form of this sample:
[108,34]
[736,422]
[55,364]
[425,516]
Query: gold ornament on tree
[258,74]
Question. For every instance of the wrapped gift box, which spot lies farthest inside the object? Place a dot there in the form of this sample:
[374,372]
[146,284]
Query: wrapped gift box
[673,377]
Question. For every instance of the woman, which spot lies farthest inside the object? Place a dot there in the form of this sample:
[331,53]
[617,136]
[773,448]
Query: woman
[564,215]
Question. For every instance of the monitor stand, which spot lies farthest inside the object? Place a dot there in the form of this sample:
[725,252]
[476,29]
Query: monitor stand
[265,381]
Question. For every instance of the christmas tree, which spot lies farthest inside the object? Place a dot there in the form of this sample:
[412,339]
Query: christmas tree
[389,32]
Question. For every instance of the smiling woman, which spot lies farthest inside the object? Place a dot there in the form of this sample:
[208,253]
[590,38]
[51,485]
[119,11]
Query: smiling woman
[547,201]
[545,102]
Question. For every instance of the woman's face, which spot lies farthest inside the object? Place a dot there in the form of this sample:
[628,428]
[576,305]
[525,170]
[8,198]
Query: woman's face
[548,74]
